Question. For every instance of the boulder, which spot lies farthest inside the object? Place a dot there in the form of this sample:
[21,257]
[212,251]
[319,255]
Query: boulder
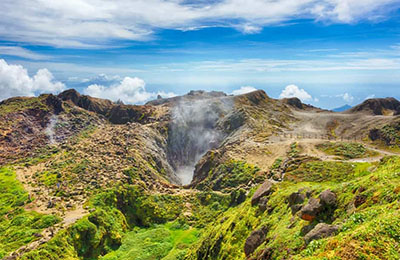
[296,198]
[264,190]
[255,239]
[321,230]
[328,199]
[310,211]
[295,201]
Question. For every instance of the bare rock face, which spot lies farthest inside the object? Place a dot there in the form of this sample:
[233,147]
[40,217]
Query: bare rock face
[255,239]
[294,102]
[321,230]
[55,103]
[310,211]
[97,105]
[122,114]
[264,190]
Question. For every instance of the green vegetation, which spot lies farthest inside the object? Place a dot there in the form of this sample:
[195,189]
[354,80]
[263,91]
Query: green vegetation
[129,223]
[23,103]
[369,230]
[230,175]
[346,150]
[168,241]
[388,136]
[156,222]
[17,226]
[329,171]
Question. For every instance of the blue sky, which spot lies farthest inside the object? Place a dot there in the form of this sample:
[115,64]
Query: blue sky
[328,52]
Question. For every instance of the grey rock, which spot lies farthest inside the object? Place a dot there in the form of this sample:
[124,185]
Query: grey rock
[264,190]
[310,211]
[328,198]
[255,239]
[321,230]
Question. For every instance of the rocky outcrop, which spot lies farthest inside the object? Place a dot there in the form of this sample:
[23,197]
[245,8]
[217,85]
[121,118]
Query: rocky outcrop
[255,239]
[321,208]
[321,230]
[122,114]
[264,190]
[97,105]
[310,211]
[116,113]
[328,199]
[54,103]
[294,102]
[296,200]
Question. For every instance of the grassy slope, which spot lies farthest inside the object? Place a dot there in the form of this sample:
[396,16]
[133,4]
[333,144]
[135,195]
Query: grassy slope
[346,150]
[17,226]
[168,241]
[371,231]
[125,216]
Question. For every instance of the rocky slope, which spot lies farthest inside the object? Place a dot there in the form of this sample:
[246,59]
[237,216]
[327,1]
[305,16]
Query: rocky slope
[85,178]
[378,106]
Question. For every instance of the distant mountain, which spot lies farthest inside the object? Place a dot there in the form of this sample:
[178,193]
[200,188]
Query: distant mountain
[342,108]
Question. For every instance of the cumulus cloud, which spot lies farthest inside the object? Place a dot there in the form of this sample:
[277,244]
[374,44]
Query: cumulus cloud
[15,81]
[291,91]
[243,90]
[94,23]
[129,90]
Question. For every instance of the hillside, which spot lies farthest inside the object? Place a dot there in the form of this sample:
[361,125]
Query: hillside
[201,176]
[378,106]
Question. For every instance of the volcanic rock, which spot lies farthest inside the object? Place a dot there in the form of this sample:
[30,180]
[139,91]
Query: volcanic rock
[255,239]
[321,230]
[264,190]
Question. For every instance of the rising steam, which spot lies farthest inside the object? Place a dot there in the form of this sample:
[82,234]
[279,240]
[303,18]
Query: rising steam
[50,129]
[193,132]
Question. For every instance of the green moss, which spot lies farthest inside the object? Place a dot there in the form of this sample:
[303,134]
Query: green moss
[346,150]
[230,175]
[329,171]
[169,241]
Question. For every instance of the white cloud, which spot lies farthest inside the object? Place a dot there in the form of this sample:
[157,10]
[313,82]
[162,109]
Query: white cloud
[21,52]
[129,90]
[243,90]
[294,91]
[94,23]
[15,81]
[346,97]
